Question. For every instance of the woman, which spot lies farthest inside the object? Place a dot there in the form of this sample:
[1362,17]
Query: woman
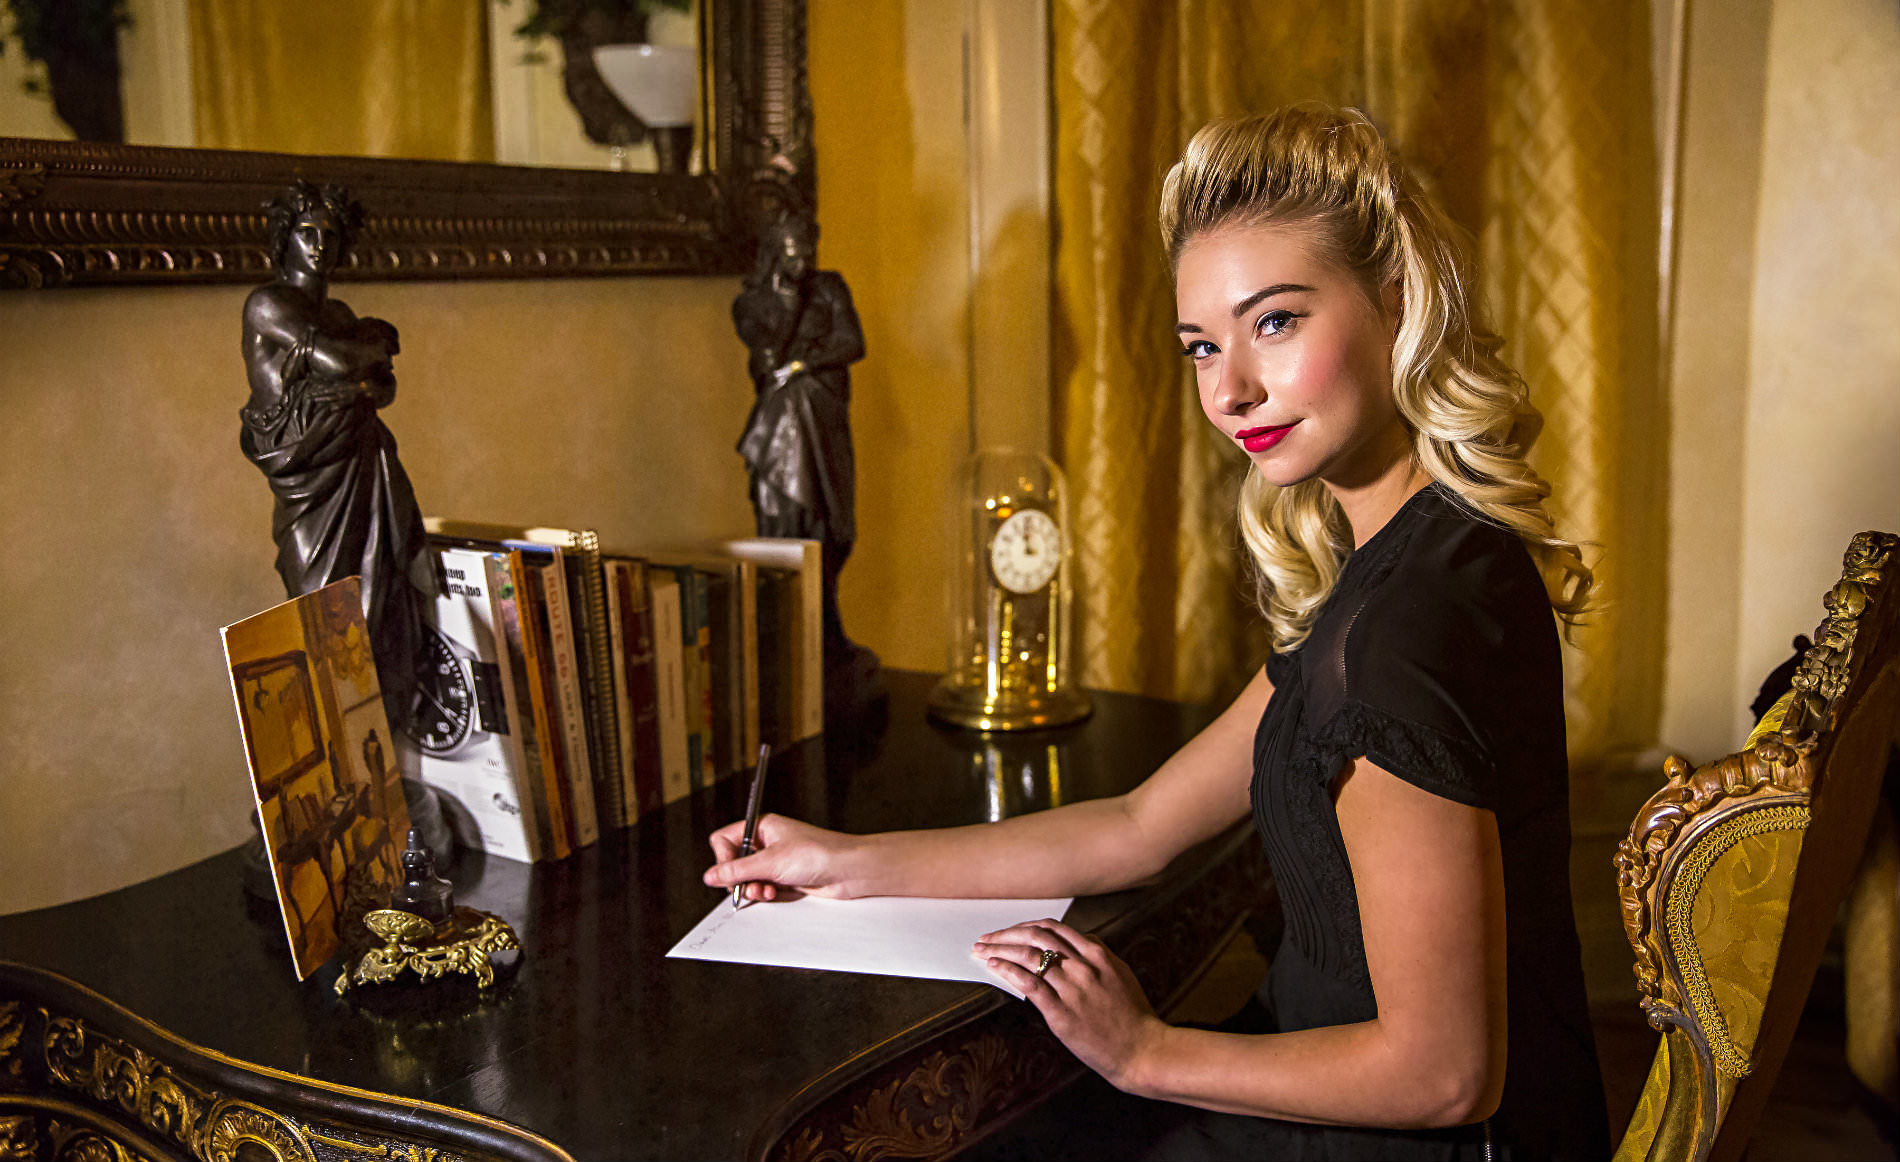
[1402,753]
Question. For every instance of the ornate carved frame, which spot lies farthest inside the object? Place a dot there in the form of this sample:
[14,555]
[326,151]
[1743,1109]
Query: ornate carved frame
[1767,786]
[81,214]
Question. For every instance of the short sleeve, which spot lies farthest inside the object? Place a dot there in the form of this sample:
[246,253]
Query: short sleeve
[1427,666]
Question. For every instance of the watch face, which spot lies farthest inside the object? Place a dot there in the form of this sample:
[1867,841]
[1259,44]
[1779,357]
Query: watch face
[444,708]
[1026,550]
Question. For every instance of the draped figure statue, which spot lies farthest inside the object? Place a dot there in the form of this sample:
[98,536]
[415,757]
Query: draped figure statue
[318,375]
[803,334]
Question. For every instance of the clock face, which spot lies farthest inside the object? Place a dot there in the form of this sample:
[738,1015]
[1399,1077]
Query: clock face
[444,706]
[1026,550]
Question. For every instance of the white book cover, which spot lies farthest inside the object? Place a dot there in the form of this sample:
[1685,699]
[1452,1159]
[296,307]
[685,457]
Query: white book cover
[669,676]
[808,678]
[461,726]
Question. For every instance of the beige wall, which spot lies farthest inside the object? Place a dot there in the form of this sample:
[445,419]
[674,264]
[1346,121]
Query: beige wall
[1786,371]
[138,528]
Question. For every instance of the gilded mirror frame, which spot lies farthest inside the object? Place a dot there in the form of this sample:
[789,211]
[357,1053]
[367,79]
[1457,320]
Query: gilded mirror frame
[86,214]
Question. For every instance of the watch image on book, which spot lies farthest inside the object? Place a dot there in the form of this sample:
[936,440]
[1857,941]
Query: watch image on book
[458,699]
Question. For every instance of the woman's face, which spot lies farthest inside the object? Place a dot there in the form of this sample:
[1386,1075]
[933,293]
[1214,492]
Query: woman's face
[1293,362]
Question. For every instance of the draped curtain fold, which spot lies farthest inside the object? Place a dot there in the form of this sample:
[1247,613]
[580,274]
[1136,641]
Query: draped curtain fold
[376,78]
[1531,121]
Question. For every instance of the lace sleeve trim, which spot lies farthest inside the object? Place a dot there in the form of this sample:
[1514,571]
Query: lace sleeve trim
[1423,756]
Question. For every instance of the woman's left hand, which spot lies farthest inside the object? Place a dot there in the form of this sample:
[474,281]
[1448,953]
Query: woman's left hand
[1089,997]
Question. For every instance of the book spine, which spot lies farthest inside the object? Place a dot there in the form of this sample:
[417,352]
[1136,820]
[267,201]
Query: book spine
[580,764]
[811,642]
[614,574]
[694,684]
[642,692]
[523,745]
[534,677]
[721,609]
[593,636]
[747,579]
[670,680]
[535,588]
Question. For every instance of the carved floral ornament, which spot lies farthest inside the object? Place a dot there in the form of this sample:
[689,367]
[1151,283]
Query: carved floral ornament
[208,1126]
[1772,780]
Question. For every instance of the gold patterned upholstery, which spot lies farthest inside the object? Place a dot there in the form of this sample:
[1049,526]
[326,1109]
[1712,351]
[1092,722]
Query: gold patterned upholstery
[1733,872]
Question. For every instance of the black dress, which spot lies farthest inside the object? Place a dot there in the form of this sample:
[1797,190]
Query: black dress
[1436,657]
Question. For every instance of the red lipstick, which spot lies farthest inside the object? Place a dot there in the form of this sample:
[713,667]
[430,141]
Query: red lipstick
[1260,439]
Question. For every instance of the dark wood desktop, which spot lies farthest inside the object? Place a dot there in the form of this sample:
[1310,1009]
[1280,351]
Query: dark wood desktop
[599,1043]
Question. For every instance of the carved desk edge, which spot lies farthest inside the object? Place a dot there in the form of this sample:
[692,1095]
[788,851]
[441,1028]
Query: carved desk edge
[84,1078]
[949,1080]
[84,213]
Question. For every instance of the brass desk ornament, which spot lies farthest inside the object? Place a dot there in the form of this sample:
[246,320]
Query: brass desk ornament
[424,931]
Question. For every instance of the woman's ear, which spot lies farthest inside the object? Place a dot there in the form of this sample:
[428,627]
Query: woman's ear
[1392,302]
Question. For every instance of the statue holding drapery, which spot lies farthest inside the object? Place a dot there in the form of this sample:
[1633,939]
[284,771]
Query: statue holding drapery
[318,376]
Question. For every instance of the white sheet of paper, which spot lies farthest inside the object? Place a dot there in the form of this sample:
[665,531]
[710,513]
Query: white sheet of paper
[885,935]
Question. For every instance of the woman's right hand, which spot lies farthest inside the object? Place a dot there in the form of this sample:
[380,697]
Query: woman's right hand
[789,858]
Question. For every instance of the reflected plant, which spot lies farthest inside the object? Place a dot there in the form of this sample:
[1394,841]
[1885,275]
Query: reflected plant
[77,42]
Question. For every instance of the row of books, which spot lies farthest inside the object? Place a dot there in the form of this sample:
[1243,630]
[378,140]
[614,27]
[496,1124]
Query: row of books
[572,690]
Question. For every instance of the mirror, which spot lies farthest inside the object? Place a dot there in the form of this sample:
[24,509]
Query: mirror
[576,151]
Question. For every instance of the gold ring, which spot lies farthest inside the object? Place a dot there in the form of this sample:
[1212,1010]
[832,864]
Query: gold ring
[1049,957]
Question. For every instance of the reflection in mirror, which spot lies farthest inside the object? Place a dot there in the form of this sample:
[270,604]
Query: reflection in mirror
[581,84]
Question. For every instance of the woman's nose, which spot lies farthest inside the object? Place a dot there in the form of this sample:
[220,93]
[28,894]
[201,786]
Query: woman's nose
[1239,387]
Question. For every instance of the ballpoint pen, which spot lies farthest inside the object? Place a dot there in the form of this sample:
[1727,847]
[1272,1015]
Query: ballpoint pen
[752,818]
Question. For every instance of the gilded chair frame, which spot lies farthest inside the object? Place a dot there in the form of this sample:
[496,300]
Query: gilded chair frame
[1813,768]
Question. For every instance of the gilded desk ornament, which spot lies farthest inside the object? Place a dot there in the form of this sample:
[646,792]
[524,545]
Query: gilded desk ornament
[18,1142]
[422,929]
[462,943]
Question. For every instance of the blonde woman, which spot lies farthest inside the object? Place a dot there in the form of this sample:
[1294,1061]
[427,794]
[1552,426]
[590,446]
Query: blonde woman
[1402,752]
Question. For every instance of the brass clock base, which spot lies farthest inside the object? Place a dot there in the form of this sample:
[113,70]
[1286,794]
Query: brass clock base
[975,707]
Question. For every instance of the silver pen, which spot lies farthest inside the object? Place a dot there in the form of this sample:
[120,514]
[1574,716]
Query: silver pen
[752,817]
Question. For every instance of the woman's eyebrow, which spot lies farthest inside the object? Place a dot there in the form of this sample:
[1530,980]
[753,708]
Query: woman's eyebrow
[1266,292]
[1248,303]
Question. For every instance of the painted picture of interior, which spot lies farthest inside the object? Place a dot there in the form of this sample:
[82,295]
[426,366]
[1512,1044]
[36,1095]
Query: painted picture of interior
[329,795]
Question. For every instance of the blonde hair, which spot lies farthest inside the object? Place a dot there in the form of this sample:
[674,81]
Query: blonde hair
[1330,172]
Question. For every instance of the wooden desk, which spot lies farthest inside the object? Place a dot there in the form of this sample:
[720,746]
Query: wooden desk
[602,1045]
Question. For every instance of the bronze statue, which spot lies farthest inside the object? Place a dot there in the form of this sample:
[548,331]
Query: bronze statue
[318,375]
[803,335]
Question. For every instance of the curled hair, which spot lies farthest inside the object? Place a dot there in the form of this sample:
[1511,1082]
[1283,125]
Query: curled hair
[1331,173]
[284,211]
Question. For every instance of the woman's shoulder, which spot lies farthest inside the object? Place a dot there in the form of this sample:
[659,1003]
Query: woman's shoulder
[1457,569]
[1459,611]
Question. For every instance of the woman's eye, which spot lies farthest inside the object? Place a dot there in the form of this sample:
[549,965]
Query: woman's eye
[1199,350]
[1275,322]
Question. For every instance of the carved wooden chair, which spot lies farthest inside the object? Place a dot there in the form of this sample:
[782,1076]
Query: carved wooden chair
[1733,873]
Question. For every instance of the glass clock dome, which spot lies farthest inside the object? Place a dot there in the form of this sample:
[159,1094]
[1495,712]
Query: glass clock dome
[1010,591]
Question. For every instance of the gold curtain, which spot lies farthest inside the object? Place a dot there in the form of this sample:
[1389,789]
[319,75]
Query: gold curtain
[377,78]
[1531,121]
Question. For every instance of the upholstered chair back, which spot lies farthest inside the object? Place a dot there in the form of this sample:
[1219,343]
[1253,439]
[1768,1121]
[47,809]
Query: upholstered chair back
[1733,873]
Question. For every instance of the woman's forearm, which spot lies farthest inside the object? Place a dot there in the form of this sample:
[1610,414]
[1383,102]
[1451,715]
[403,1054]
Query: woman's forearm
[1080,849]
[1361,1074]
